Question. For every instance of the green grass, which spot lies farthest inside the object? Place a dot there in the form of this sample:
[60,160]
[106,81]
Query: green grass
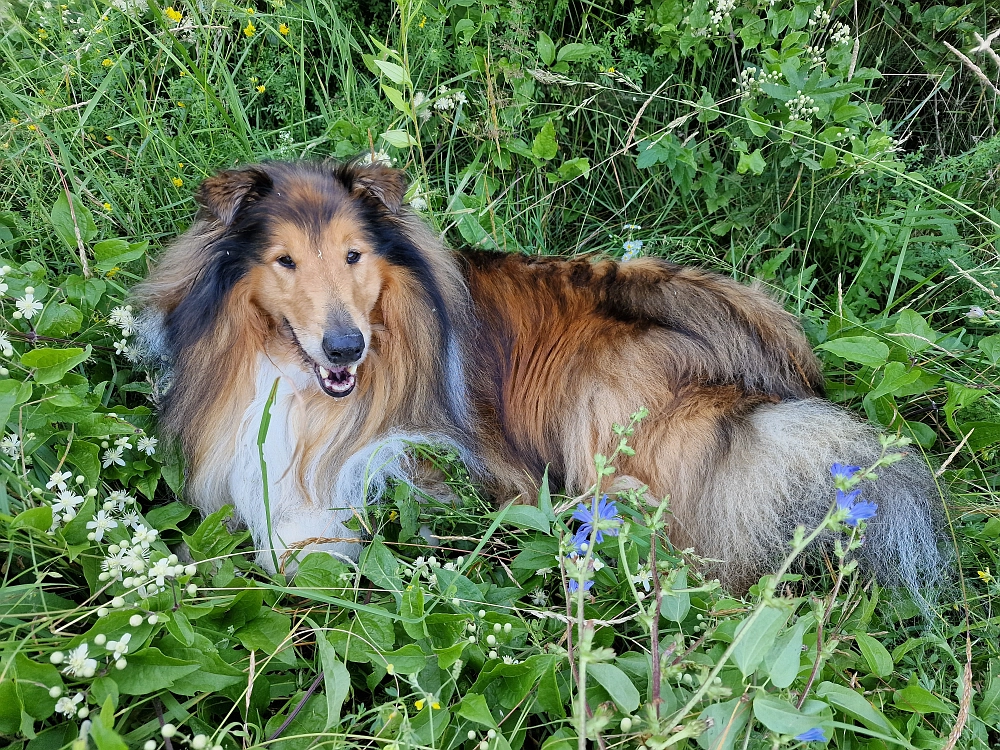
[576,119]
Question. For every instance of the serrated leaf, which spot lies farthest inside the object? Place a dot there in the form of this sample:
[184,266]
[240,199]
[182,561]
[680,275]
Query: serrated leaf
[864,350]
[617,684]
[878,658]
[544,146]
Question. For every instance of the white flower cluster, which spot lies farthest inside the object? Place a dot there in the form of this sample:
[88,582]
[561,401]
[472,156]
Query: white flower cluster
[448,100]
[493,638]
[721,11]
[28,306]
[122,318]
[750,80]
[801,107]
[425,568]
[817,55]
[841,34]
[819,17]
[377,158]
[632,248]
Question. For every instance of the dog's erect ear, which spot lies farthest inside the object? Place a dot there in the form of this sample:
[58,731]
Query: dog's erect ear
[386,185]
[225,193]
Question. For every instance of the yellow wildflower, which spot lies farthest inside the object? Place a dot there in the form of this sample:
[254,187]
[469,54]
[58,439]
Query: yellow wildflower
[261,89]
[14,121]
[423,22]
[283,29]
[250,30]
[107,206]
[435,705]
[180,165]
[419,704]
[183,73]
[984,575]
[181,105]
[173,15]
[43,34]
[611,69]
[112,272]
[251,11]
[106,62]
[108,138]
[32,127]
[178,182]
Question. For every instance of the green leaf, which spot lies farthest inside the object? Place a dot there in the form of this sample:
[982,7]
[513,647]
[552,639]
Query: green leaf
[102,729]
[864,350]
[918,700]
[452,584]
[959,396]
[758,638]
[39,518]
[449,655]
[759,126]
[112,253]
[751,162]
[336,680]
[85,457]
[575,52]
[675,605]
[412,608]
[150,670]
[180,627]
[525,517]
[984,434]
[544,145]
[728,720]
[12,393]
[708,110]
[59,321]
[393,72]
[545,498]
[829,160]
[409,659]
[546,48]
[878,658]
[378,564]
[617,684]
[781,716]
[62,222]
[212,538]
[396,97]
[913,331]
[398,138]
[51,364]
[549,698]
[474,708]
[573,168]
[895,377]
[168,516]
[990,346]
[855,706]
[785,657]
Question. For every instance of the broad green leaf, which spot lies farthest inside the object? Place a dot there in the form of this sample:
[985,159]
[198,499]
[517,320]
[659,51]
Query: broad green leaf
[168,516]
[396,97]
[39,518]
[12,393]
[988,708]
[913,332]
[864,350]
[783,660]
[393,72]
[62,222]
[856,706]
[829,160]
[59,321]
[573,168]
[102,729]
[51,364]
[675,605]
[878,658]
[407,660]
[751,162]
[526,517]
[180,627]
[757,637]
[398,138]
[150,670]
[546,48]
[112,253]
[549,698]
[545,497]
[575,52]
[336,680]
[959,396]
[544,145]
[85,457]
[381,568]
[412,608]
[919,700]
[452,584]
[728,720]
[894,376]
[450,654]
[474,708]
[213,673]
[990,346]
[984,434]
[212,539]
[617,684]
[781,716]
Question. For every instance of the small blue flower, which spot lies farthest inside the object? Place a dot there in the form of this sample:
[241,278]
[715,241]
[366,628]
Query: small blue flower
[846,499]
[574,585]
[632,249]
[813,735]
[581,540]
[860,512]
[844,471]
[603,514]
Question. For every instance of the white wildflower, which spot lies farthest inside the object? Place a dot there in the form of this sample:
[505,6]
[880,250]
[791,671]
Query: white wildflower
[143,536]
[58,480]
[121,346]
[643,576]
[28,306]
[147,444]
[135,559]
[130,518]
[418,204]
[5,345]
[123,441]
[100,524]
[78,662]
[539,598]
[113,564]
[118,649]
[67,501]
[974,312]
[11,445]
[113,456]
[160,571]
[67,706]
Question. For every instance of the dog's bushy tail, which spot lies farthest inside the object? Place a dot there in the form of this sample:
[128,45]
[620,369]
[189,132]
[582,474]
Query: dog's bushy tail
[777,476]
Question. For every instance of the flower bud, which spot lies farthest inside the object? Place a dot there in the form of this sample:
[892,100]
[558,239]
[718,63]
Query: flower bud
[135,621]
[117,602]
[491,640]
[121,664]
[55,692]
[626,725]
[83,713]
[150,745]
[192,589]
[199,742]
[56,657]
[190,570]
[507,627]
[103,612]
[100,639]
[167,731]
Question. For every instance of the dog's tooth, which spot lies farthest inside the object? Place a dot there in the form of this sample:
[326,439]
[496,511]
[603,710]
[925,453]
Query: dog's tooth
[353,369]
[324,373]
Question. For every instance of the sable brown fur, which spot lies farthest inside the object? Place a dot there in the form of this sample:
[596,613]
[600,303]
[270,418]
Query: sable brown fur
[519,362]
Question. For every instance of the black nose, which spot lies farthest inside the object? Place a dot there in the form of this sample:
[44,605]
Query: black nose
[343,347]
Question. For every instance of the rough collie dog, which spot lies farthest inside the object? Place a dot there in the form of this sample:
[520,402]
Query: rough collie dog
[317,277]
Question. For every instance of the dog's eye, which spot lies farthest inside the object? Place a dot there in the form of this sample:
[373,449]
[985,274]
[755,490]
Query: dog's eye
[286,261]
[353,256]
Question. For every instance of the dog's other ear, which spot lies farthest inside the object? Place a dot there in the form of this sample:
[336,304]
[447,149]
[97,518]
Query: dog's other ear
[224,194]
[386,185]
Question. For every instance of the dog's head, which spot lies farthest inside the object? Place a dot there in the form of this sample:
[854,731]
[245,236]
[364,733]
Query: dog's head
[311,247]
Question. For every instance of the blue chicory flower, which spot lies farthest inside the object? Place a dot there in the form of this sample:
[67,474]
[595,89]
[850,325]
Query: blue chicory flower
[581,539]
[813,735]
[846,499]
[860,512]
[574,585]
[843,472]
[603,514]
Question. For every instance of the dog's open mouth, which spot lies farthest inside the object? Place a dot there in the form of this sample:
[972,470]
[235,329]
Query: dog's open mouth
[336,381]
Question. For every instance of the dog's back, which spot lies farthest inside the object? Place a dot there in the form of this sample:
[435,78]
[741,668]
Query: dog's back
[737,435]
